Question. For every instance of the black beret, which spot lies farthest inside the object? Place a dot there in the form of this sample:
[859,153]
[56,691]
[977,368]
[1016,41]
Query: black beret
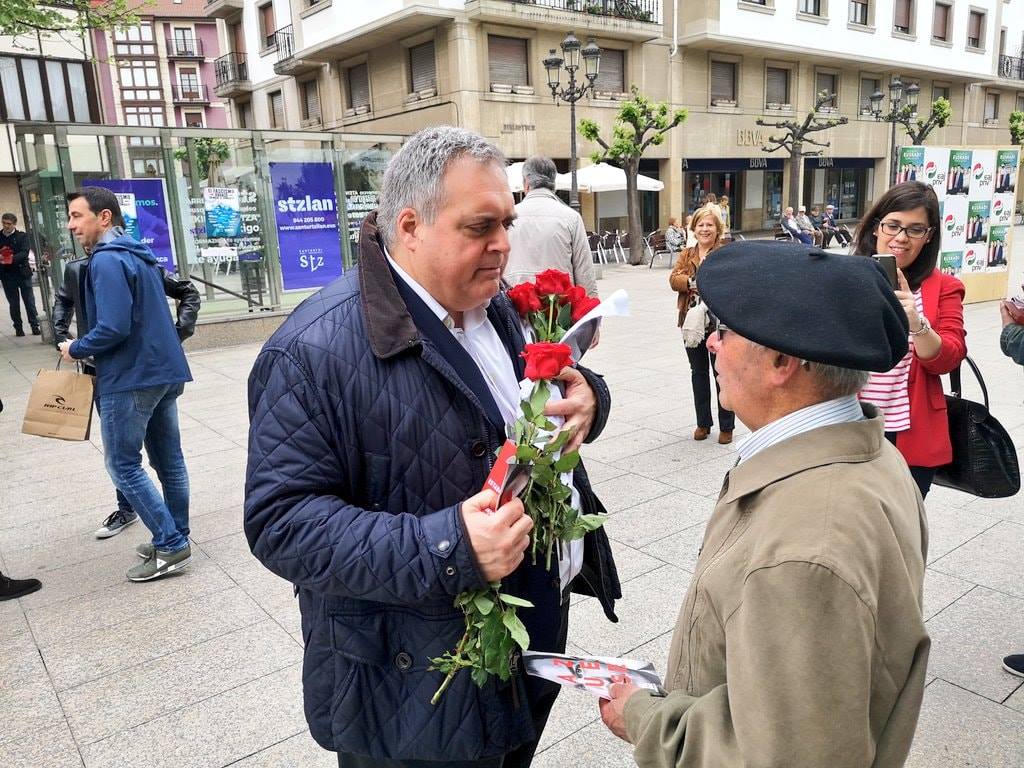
[801,301]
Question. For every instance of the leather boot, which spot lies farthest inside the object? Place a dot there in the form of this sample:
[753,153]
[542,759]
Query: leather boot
[701,433]
[724,438]
[14,588]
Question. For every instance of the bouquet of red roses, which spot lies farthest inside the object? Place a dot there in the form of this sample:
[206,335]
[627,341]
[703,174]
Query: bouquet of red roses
[548,308]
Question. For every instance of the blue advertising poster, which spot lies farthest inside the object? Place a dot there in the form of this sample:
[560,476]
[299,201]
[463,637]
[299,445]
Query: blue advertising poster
[306,211]
[144,206]
[223,206]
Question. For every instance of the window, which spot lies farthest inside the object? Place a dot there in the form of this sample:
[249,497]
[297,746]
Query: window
[776,90]
[940,22]
[193,119]
[140,81]
[244,112]
[723,82]
[422,67]
[33,79]
[868,85]
[940,92]
[188,80]
[310,93]
[184,42]
[275,105]
[58,95]
[268,25]
[975,29]
[812,7]
[507,62]
[1002,41]
[611,77]
[1020,102]
[358,86]
[991,107]
[144,115]
[135,41]
[237,37]
[902,15]
[828,81]
[10,90]
[147,166]
[858,12]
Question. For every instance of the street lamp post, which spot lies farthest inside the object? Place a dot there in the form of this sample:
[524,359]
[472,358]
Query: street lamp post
[572,92]
[894,115]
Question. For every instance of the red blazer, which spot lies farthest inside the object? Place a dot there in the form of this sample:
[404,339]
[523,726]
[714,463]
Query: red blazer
[926,443]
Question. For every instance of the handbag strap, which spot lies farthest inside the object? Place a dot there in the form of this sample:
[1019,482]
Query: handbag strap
[955,384]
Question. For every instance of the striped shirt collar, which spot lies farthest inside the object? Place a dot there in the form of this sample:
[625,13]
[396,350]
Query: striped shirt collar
[825,414]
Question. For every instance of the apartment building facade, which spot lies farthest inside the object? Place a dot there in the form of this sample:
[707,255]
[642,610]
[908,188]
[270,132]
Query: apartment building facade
[395,66]
[161,73]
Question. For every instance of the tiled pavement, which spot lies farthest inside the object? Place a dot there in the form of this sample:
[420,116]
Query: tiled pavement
[202,669]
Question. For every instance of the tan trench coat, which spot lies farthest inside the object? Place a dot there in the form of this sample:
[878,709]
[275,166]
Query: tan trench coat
[801,640]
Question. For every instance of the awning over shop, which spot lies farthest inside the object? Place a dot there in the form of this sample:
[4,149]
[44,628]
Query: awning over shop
[733,164]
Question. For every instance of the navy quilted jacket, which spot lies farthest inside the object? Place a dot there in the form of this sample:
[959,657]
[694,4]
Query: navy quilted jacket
[363,442]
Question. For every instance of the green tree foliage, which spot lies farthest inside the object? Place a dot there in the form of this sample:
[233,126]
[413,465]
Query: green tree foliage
[210,153]
[639,124]
[1017,127]
[31,17]
[917,128]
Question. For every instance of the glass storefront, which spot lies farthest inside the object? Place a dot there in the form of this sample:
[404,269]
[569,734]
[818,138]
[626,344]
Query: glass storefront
[257,220]
[844,182]
[752,184]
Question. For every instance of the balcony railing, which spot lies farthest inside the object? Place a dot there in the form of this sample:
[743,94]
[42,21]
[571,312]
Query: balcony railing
[633,10]
[284,39]
[1011,67]
[184,48]
[231,68]
[190,94]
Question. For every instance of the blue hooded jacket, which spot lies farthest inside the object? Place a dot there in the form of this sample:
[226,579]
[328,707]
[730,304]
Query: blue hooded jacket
[131,334]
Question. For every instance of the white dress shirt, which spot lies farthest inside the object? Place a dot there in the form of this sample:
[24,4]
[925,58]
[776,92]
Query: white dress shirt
[481,340]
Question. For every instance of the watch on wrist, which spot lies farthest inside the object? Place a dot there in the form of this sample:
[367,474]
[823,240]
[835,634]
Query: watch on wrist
[925,327]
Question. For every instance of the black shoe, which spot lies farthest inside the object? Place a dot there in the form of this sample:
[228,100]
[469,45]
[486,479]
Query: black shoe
[36,331]
[1014,664]
[14,588]
[19,332]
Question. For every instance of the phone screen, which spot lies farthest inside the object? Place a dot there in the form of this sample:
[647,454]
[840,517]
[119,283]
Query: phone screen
[888,263]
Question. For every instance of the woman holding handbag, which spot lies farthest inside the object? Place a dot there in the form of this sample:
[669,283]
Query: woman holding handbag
[905,223]
[707,228]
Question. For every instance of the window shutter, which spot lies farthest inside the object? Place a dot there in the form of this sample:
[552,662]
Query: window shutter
[902,15]
[507,60]
[423,66]
[611,77]
[276,110]
[777,86]
[723,81]
[359,86]
[311,101]
[940,18]
[867,87]
[827,82]
[974,26]
[269,25]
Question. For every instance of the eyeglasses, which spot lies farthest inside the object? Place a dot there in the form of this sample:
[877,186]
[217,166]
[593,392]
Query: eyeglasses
[914,231]
[720,328]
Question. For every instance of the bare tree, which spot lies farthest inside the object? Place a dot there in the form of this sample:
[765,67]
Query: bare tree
[796,136]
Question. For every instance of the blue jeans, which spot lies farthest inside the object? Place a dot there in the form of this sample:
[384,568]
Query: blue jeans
[122,502]
[148,417]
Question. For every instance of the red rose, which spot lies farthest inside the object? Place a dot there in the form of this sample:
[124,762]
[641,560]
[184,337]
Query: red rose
[545,360]
[584,305]
[573,294]
[524,297]
[552,282]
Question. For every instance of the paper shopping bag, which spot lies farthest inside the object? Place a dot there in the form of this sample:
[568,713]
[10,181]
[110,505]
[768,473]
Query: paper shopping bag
[60,405]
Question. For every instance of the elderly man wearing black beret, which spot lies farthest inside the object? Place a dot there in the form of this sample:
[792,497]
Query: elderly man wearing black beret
[801,640]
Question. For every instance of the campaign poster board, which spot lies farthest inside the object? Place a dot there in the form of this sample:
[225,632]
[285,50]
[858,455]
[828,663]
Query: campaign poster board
[306,213]
[144,207]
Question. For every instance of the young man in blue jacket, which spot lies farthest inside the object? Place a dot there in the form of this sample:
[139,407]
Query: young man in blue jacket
[140,372]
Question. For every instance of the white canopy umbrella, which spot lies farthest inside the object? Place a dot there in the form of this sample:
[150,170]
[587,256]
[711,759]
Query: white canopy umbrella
[515,178]
[602,177]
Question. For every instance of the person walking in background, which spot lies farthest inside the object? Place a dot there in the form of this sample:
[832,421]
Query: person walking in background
[140,373]
[708,229]
[16,274]
[548,234]
[1011,341]
[68,301]
[905,223]
[723,206]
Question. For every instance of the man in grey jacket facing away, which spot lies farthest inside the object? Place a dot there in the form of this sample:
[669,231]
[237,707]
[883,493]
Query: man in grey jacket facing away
[547,233]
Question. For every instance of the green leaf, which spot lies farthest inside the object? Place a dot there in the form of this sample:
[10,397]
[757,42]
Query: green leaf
[484,604]
[564,318]
[568,462]
[513,600]
[591,522]
[527,409]
[539,398]
[526,453]
[517,630]
[480,677]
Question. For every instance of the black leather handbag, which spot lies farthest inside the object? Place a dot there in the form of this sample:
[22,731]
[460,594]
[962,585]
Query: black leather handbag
[984,459]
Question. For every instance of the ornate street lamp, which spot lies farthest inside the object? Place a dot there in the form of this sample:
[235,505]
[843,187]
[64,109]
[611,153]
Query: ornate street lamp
[572,92]
[898,113]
